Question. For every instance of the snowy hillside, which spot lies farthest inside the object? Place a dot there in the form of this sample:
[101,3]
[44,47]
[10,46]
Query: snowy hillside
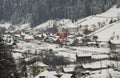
[5,25]
[103,18]
[49,24]
[93,21]
[107,32]
[45,25]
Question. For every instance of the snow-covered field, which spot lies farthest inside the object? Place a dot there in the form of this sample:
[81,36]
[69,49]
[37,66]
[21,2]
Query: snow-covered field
[107,32]
[5,25]
[70,52]
[112,13]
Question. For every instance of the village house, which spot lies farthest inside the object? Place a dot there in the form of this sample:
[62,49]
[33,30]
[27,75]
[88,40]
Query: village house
[74,71]
[70,28]
[83,58]
[69,70]
[85,31]
[92,44]
[73,29]
[95,66]
[115,44]
[39,36]
[17,37]
[38,67]
[29,38]
[22,34]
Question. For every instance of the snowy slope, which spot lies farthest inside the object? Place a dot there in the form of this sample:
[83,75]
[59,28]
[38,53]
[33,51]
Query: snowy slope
[14,28]
[5,25]
[50,23]
[26,26]
[91,21]
[45,25]
[105,33]
[60,23]
[103,17]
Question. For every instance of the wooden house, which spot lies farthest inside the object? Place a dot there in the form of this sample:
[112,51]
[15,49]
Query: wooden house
[84,30]
[92,44]
[83,58]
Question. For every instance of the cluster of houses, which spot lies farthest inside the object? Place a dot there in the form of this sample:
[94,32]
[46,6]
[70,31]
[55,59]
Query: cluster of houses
[69,71]
[70,36]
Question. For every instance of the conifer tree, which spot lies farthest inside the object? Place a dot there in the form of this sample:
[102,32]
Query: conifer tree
[7,64]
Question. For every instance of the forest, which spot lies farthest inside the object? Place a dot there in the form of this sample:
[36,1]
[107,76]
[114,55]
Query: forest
[36,12]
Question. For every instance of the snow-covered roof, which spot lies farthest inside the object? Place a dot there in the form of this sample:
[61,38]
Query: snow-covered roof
[84,55]
[29,37]
[95,65]
[70,25]
[92,49]
[10,43]
[38,35]
[17,55]
[5,25]
[40,64]
[66,76]
[19,50]
[91,42]
[100,56]
[46,74]
[18,35]
[115,41]
[94,19]
[79,38]
[68,69]
[22,33]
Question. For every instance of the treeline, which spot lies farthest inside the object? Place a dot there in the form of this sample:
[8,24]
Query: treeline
[38,11]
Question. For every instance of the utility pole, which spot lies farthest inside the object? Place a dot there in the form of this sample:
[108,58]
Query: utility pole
[118,16]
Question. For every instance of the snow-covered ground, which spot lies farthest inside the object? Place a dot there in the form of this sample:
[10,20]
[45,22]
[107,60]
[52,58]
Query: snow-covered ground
[106,73]
[91,21]
[5,25]
[32,46]
[107,32]
[45,25]
[97,53]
